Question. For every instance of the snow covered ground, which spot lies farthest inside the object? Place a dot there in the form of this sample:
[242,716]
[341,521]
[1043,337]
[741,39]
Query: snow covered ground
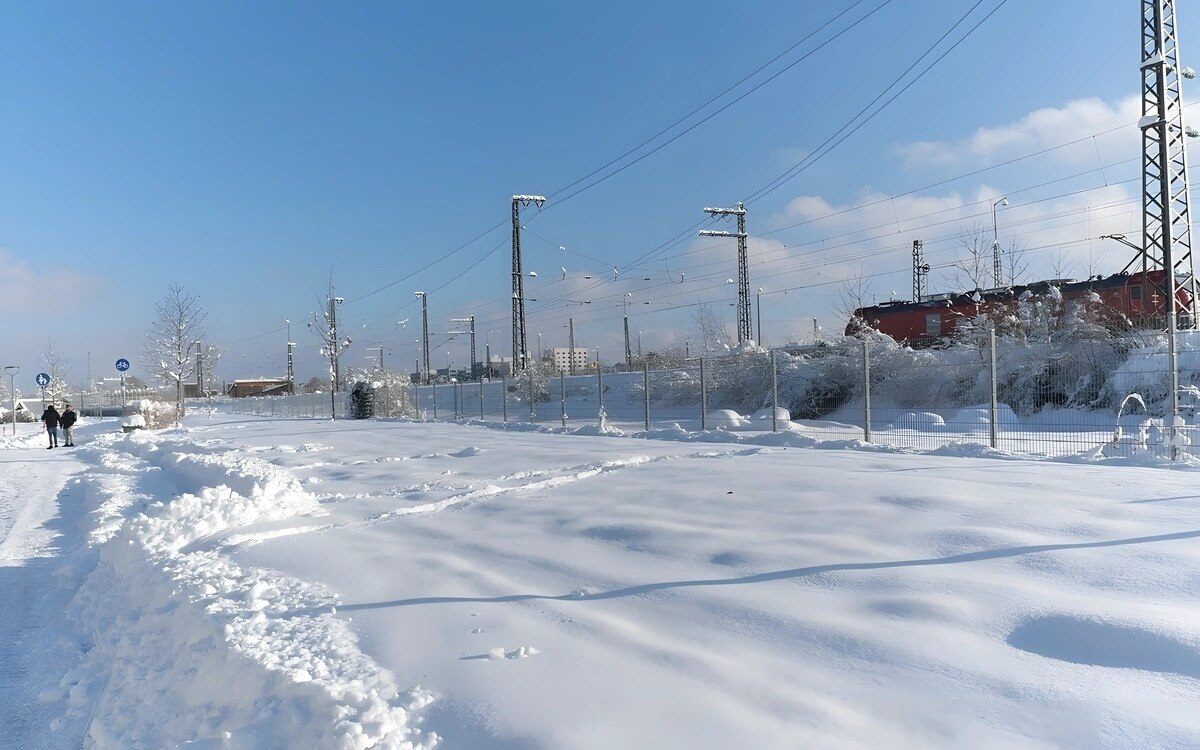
[256,582]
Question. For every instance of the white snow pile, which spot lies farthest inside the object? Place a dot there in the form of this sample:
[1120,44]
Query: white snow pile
[186,645]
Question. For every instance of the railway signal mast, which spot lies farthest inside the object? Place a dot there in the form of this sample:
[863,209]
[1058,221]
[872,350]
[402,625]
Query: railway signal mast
[920,271]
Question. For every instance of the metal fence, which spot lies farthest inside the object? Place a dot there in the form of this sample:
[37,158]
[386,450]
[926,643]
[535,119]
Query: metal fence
[1009,395]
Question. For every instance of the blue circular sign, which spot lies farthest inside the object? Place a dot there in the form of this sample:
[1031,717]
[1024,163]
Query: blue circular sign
[122,364]
[43,379]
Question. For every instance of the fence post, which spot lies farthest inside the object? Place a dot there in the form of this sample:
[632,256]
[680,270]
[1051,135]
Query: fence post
[504,397]
[562,395]
[866,392]
[774,393]
[703,398]
[435,400]
[481,415]
[992,386]
[532,411]
[600,391]
[646,390]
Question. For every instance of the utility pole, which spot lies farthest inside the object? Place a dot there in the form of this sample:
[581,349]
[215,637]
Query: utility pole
[745,330]
[199,369]
[997,264]
[520,353]
[571,345]
[920,270]
[424,333]
[471,320]
[628,351]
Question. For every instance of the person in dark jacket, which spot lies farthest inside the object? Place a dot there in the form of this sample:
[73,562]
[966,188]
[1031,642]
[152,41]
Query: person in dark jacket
[67,420]
[50,419]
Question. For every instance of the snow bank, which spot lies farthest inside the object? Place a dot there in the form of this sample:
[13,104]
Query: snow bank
[188,646]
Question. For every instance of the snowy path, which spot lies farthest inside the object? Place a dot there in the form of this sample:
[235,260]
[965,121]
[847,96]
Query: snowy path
[37,647]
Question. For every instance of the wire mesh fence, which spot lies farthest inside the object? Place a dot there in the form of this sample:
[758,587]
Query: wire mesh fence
[1014,395]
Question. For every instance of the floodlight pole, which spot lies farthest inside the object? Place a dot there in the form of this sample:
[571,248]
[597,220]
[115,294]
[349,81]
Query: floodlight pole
[997,264]
[745,329]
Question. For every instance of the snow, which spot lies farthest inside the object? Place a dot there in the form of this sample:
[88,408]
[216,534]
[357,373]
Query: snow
[253,582]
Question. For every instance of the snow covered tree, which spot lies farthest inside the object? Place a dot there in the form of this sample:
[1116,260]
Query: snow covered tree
[179,323]
[59,389]
[714,333]
[393,394]
[324,326]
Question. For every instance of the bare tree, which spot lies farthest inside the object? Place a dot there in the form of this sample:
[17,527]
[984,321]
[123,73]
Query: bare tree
[1017,262]
[1061,264]
[713,330]
[325,326]
[973,269]
[179,323]
[853,295]
[56,367]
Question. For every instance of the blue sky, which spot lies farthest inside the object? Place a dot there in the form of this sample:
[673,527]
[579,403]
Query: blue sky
[252,151]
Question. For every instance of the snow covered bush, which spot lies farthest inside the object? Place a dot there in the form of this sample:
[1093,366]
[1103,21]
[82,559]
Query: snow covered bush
[153,414]
[392,391]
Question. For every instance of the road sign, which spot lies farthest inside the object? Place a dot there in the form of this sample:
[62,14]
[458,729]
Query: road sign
[122,364]
[43,379]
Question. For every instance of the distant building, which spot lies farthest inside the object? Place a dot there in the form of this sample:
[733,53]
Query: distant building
[501,367]
[258,387]
[563,356]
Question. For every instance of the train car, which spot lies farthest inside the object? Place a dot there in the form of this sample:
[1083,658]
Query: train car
[1121,299]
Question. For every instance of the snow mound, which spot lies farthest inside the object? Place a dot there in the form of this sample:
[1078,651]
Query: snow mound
[187,646]
[725,419]
[920,420]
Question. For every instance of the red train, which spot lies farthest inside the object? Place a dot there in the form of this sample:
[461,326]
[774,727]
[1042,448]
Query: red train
[1124,299]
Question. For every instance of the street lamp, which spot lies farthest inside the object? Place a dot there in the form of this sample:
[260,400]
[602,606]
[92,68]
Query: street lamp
[997,267]
[12,371]
[488,337]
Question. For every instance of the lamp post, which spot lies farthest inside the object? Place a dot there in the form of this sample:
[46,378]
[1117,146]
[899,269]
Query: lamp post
[997,266]
[12,371]
[488,354]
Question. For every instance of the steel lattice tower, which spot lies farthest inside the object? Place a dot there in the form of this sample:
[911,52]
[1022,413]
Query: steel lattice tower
[745,329]
[518,286]
[1166,232]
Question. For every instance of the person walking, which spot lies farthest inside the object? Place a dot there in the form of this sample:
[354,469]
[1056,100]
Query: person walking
[50,419]
[67,420]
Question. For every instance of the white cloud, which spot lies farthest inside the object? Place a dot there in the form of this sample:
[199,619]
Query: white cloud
[46,290]
[1042,128]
